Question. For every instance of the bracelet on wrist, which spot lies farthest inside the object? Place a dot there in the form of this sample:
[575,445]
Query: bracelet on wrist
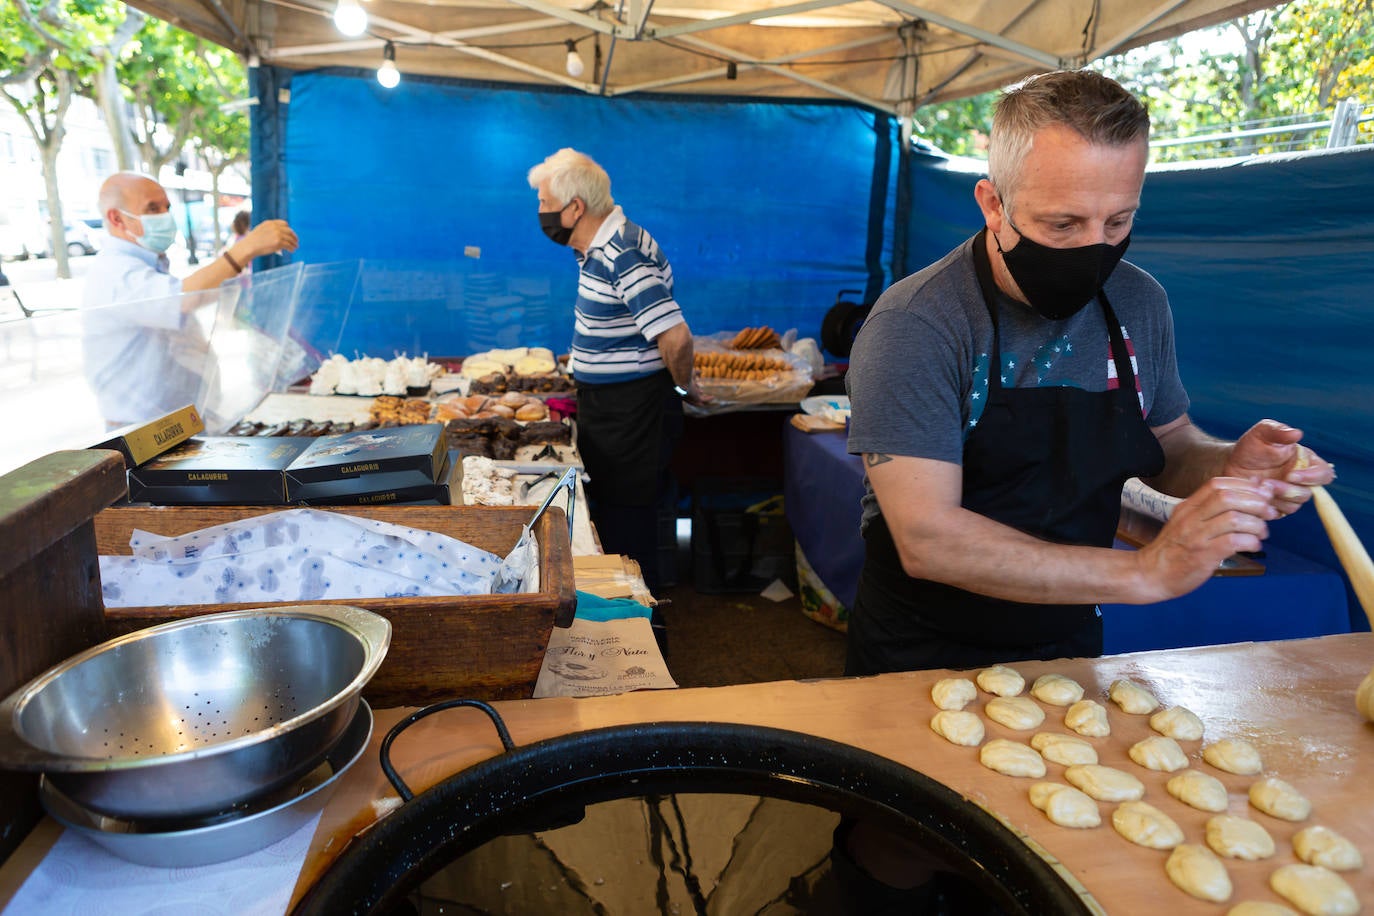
[238,268]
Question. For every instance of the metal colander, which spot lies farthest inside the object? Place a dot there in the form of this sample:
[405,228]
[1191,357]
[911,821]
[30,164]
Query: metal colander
[196,716]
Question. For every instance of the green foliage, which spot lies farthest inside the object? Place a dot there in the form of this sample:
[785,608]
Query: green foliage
[1277,67]
[1285,65]
[45,49]
[959,127]
[178,81]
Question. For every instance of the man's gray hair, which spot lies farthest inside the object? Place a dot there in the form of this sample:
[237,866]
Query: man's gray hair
[1098,108]
[572,174]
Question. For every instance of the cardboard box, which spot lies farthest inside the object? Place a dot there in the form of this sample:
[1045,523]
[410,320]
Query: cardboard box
[485,647]
[419,451]
[386,489]
[217,470]
[140,442]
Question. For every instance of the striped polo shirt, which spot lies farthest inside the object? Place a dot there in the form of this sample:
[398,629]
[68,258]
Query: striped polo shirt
[624,301]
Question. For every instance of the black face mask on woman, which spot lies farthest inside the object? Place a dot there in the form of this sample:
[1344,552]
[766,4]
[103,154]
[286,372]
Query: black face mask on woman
[551,221]
[1058,282]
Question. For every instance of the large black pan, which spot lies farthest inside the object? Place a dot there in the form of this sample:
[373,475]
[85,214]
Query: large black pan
[547,784]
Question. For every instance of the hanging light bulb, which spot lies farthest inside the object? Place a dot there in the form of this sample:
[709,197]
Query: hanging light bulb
[387,74]
[350,18]
[574,64]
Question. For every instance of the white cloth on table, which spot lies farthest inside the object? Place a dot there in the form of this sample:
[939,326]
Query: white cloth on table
[294,555]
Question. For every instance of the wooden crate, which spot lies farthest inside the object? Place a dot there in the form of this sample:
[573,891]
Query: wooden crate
[485,647]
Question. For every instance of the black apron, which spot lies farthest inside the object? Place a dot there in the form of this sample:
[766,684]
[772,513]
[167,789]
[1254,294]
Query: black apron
[1047,461]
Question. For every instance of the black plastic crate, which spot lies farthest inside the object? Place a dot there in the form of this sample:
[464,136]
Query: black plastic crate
[740,537]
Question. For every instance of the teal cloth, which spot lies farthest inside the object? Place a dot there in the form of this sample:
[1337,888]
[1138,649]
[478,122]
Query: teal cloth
[594,607]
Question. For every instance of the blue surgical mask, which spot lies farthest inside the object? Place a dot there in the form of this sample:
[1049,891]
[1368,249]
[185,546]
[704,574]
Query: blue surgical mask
[159,230]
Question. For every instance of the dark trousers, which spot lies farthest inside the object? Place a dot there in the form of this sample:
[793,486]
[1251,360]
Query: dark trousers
[626,433]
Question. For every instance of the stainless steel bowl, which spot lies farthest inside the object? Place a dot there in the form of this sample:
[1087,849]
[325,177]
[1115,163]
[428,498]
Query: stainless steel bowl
[196,716]
[189,842]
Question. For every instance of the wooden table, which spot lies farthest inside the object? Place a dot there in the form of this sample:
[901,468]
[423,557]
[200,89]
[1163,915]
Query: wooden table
[1293,700]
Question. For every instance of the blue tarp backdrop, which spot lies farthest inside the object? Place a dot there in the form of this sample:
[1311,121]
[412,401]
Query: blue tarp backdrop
[765,210]
[768,209]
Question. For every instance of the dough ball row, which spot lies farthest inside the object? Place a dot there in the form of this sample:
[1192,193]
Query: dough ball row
[1314,887]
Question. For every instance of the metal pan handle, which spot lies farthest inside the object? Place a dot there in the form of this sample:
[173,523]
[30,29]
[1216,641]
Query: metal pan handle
[396,781]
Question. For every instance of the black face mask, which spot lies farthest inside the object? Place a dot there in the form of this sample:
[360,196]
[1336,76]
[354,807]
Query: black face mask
[551,221]
[1058,282]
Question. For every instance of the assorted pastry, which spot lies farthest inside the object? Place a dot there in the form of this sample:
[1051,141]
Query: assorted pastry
[746,367]
[502,437]
[514,369]
[511,405]
[371,376]
[390,411]
[764,338]
[296,428]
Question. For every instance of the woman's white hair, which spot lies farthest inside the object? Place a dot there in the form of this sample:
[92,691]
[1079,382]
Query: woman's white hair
[1098,108]
[572,174]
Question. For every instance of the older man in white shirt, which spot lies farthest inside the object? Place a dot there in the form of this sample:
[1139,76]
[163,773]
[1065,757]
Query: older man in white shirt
[144,351]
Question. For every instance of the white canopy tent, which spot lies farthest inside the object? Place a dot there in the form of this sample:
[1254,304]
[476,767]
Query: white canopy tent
[892,55]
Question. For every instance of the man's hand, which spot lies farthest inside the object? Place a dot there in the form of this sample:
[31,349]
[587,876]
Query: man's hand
[696,397]
[1227,515]
[1269,450]
[267,237]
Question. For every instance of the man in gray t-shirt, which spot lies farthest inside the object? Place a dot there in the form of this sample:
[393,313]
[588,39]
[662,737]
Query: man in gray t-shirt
[1003,395]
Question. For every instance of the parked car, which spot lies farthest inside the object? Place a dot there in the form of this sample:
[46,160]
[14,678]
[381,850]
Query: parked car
[79,241]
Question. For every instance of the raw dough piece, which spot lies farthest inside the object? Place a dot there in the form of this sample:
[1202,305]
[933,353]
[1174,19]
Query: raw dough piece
[1177,723]
[1105,783]
[1088,718]
[1001,680]
[1277,798]
[1056,690]
[1132,698]
[1327,848]
[1314,890]
[1011,758]
[1198,790]
[957,727]
[1159,753]
[1197,872]
[1063,749]
[953,692]
[1019,713]
[1145,825]
[1238,838]
[1233,756]
[1064,805]
[1257,908]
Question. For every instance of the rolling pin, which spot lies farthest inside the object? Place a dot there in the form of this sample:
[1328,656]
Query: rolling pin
[1355,560]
